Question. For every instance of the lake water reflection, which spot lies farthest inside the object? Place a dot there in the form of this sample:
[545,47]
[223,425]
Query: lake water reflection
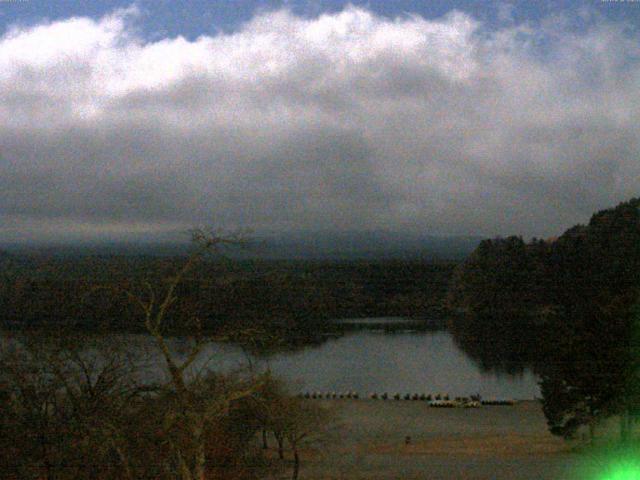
[371,359]
[422,362]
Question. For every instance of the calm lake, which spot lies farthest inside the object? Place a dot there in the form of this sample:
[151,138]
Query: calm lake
[370,356]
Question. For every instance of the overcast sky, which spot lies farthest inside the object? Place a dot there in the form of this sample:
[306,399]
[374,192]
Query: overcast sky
[460,118]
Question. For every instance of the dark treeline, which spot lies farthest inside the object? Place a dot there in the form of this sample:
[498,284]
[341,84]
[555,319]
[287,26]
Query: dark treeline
[505,276]
[498,300]
[286,297]
[566,306]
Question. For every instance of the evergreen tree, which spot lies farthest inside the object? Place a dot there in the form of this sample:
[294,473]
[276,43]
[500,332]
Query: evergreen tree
[591,370]
[584,377]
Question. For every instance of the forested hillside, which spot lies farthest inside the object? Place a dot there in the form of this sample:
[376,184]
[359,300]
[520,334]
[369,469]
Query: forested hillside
[598,261]
[568,306]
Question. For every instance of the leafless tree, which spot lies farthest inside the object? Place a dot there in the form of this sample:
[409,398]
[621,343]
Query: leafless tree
[298,422]
[74,406]
[191,407]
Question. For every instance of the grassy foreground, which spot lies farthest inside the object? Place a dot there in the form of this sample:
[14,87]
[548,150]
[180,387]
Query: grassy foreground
[509,442]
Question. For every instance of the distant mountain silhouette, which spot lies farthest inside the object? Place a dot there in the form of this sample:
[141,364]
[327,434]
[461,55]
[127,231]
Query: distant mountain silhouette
[287,246]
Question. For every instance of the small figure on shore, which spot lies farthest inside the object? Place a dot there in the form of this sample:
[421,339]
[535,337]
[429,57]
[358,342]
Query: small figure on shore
[407,440]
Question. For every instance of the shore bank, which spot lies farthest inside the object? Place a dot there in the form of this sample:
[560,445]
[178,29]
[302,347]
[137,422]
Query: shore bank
[369,441]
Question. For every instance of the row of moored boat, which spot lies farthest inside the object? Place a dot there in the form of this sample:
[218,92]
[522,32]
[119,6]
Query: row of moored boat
[437,400]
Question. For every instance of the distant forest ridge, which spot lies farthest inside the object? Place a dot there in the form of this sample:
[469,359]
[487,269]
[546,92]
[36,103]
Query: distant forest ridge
[297,283]
[296,246]
[292,298]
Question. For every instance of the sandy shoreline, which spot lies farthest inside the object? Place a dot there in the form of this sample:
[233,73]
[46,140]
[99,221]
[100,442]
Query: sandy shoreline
[491,442]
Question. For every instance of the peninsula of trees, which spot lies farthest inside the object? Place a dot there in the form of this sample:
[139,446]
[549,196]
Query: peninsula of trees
[569,306]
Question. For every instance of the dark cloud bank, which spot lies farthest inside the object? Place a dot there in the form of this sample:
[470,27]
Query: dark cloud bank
[344,122]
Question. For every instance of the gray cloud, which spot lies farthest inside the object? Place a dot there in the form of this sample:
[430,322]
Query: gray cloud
[346,121]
